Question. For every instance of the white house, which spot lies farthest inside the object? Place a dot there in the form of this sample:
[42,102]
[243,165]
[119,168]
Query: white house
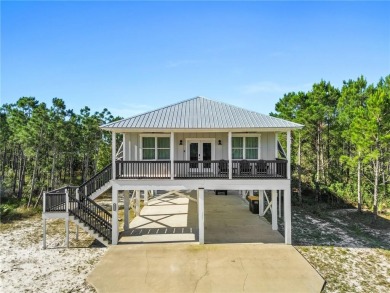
[197,144]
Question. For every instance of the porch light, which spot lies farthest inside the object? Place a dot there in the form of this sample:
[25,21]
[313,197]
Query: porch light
[180,142]
[219,142]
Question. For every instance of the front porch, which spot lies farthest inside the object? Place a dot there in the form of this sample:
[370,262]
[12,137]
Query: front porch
[217,169]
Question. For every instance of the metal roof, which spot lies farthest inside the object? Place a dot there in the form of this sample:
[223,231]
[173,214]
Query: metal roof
[200,113]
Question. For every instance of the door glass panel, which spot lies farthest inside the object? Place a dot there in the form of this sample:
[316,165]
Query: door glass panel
[207,154]
[194,154]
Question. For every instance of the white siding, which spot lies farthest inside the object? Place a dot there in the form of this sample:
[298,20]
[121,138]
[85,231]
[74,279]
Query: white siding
[268,145]
[132,144]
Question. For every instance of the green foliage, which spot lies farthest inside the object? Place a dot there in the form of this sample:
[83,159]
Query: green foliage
[43,147]
[346,133]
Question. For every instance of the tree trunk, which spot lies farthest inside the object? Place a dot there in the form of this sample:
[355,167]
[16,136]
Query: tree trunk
[358,186]
[4,162]
[33,178]
[52,170]
[317,181]
[15,169]
[21,177]
[376,181]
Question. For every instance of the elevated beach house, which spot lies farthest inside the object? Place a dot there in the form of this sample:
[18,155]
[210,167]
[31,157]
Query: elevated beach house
[197,144]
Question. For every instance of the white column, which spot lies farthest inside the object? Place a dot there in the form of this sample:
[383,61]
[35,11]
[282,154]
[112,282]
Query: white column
[67,218]
[289,154]
[77,226]
[280,202]
[261,203]
[230,155]
[113,152]
[115,228]
[137,202]
[44,234]
[146,197]
[287,215]
[126,207]
[172,154]
[44,222]
[274,210]
[201,214]
[276,145]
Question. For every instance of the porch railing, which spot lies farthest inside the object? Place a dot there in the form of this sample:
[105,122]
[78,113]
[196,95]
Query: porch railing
[201,169]
[55,200]
[143,169]
[216,169]
[260,169]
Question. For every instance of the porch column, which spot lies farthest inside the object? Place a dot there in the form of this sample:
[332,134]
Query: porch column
[230,154]
[115,230]
[261,203]
[172,155]
[44,221]
[289,154]
[67,218]
[201,214]
[280,203]
[287,215]
[274,210]
[77,226]
[146,197]
[113,152]
[126,207]
[137,202]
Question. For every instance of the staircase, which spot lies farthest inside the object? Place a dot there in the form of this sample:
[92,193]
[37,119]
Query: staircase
[77,202]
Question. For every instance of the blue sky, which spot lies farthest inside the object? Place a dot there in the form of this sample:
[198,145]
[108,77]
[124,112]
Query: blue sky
[131,57]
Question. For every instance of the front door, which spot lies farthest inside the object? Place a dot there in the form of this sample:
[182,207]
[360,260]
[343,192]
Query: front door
[199,151]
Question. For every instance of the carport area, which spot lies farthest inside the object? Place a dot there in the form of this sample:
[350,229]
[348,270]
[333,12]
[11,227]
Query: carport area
[242,252]
[173,217]
[204,268]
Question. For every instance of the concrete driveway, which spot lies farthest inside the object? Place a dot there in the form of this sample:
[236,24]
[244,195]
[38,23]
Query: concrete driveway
[204,268]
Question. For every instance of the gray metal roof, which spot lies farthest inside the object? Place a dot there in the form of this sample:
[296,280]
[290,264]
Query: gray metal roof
[200,113]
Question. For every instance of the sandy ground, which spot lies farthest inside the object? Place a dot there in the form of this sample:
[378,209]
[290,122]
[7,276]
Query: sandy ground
[26,267]
[350,256]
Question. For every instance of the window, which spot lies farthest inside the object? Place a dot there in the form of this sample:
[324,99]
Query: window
[245,148]
[155,148]
[251,148]
[163,148]
[237,147]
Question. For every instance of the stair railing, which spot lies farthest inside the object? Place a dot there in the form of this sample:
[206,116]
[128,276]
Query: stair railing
[92,214]
[96,182]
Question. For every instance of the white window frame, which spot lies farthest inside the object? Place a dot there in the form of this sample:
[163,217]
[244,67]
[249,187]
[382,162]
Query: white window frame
[245,135]
[155,146]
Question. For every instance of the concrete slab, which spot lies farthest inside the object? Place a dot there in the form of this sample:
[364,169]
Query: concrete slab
[204,268]
[227,220]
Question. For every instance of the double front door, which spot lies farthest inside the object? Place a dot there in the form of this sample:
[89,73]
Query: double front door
[200,150]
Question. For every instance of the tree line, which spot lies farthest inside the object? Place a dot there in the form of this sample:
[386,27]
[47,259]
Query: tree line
[344,147]
[45,147]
